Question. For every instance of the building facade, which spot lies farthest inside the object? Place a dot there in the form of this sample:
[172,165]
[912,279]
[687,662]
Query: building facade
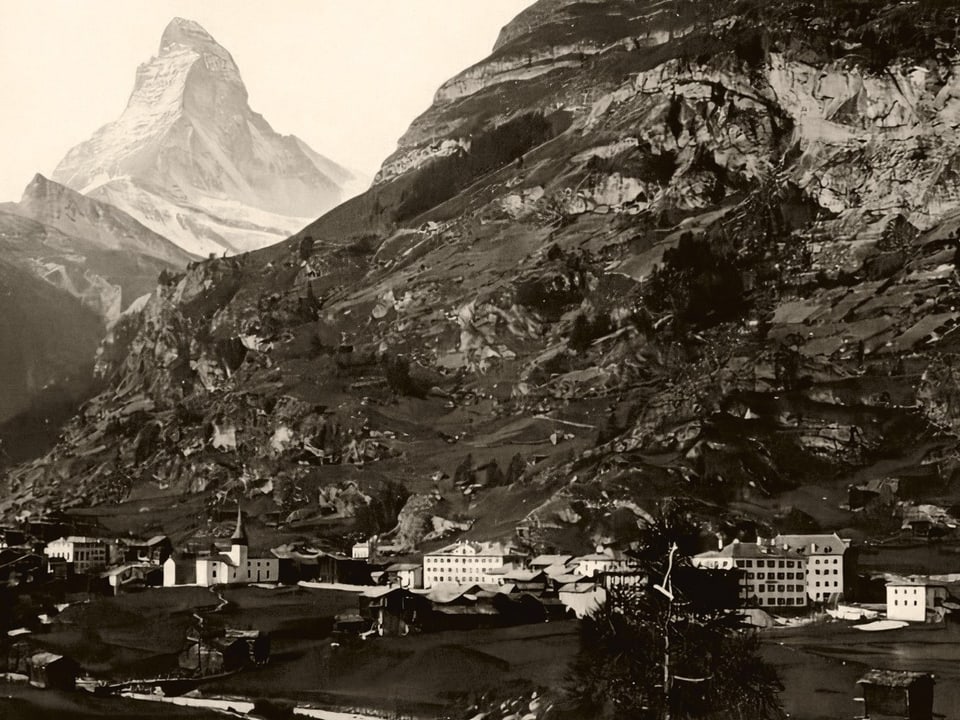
[769,578]
[236,566]
[603,561]
[467,562]
[825,569]
[915,601]
[85,553]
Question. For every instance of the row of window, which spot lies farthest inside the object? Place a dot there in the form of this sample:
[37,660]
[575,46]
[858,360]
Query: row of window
[826,571]
[779,588]
[460,579]
[769,563]
[826,583]
[468,560]
[779,576]
[233,573]
[826,561]
[905,602]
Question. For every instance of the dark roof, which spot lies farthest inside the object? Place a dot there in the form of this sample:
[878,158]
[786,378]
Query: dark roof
[894,678]
[748,550]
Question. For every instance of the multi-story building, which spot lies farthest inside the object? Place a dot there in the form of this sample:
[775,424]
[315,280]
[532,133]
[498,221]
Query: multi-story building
[915,601]
[825,562]
[603,561]
[467,562]
[85,553]
[769,577]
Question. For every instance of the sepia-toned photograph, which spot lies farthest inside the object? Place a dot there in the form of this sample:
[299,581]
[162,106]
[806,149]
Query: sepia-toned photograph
[462,360]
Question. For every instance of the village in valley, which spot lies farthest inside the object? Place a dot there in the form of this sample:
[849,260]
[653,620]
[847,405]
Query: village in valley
[607,367]
[782,586]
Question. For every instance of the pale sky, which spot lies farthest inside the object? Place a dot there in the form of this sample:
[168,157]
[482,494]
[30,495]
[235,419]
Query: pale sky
[346,76]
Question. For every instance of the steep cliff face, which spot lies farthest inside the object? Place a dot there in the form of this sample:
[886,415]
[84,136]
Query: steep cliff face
[192,161]
[643,249]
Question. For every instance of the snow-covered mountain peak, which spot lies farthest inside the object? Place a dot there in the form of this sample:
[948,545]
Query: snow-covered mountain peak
[192,161]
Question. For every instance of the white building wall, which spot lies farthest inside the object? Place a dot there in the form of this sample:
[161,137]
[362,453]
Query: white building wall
[461,565]
[774,581]
[582,604]
[86,555]
[169,572]
[824,576]
[211,571]
[907,602]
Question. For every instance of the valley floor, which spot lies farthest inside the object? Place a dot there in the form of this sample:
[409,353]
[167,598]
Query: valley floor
[425,675]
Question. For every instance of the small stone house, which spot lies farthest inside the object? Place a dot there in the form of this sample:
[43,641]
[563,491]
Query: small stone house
[49,670]
[894,694]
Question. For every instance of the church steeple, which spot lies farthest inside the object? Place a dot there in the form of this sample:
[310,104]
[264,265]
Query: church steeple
[239,536]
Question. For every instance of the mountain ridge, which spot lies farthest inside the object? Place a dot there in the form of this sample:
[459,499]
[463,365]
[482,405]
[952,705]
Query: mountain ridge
[662,259]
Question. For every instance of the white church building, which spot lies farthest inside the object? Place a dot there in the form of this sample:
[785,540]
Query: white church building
[235,567]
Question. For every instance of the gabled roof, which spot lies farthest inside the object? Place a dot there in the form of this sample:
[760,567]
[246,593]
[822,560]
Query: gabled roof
[548,560]
[749,550]
[567,578]
[443,593]
[831,544]
[398,567]
[475,549]
[912,582]
[612,556]
[123,568]
[894,678]
[78,539]
[520,575]
[381,591]
[555,570]
[45,658]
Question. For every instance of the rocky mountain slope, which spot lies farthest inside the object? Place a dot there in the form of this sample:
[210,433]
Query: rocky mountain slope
[71,267]
[644,248]
[87,248]
[47,345]
[189,159]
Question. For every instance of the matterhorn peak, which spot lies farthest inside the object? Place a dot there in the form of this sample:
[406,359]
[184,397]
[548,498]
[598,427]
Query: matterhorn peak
[190,160]
[188,33]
